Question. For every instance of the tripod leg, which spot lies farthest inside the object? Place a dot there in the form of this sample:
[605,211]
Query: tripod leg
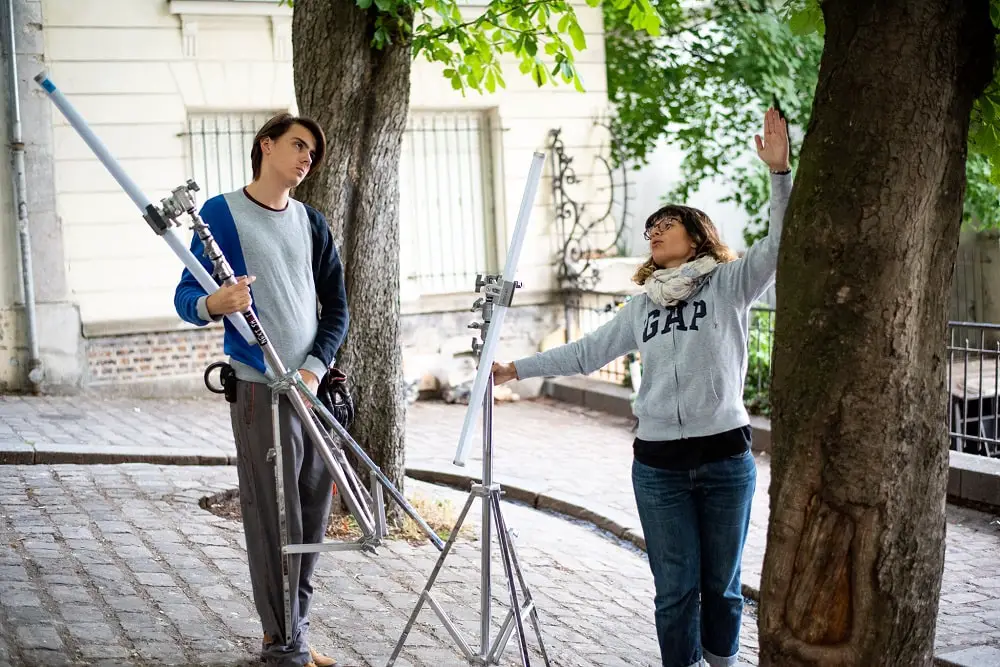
[393,492]
[383,529]
[528,599]
[529,605]
[425,595]
[361,512]
[338,453]
[279,482]
[515,607]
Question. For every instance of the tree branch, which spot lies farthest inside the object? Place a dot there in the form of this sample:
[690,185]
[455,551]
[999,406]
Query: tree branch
[486,17]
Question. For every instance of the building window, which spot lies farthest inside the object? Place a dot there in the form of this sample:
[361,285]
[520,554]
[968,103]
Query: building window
[219,145]
[446,216]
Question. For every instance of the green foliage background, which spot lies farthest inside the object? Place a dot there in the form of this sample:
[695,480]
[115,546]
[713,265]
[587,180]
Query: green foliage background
[703,83]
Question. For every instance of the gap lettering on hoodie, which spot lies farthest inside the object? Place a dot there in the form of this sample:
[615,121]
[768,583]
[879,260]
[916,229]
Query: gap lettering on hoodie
[673,315]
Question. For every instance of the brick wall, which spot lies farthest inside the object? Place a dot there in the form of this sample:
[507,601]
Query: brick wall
[133,357]
[165,355]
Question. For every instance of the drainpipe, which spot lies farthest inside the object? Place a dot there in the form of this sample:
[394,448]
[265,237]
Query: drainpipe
[35,372]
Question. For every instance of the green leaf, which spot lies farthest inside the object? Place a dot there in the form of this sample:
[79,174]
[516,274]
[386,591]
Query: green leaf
[702,89]
[470,46]
[364,4]
[539,74]
[807,20]
[652,24]
[568,71]
[384,5]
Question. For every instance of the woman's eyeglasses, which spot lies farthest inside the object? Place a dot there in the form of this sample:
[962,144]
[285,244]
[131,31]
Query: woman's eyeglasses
[658,228]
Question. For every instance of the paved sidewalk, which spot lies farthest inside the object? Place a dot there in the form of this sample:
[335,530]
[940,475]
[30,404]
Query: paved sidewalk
[548,454]
[578,461]
[118,565]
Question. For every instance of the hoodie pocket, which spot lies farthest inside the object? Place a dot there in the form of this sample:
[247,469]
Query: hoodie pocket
[698,396]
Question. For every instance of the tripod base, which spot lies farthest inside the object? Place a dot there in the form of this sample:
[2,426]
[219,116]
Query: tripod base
[489,654]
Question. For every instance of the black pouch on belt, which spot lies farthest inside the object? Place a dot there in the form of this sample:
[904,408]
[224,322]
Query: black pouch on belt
[227,380]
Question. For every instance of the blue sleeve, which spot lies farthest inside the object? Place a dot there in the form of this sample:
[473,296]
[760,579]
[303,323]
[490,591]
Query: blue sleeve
[190,296]
[329,275]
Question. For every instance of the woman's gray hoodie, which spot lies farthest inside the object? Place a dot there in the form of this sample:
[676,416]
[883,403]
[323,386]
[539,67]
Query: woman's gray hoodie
[694,355]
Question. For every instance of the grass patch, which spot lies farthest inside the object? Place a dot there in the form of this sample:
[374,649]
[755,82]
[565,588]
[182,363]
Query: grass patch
[439,514]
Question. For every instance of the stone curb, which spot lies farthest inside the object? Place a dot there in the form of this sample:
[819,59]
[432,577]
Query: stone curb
[52,453]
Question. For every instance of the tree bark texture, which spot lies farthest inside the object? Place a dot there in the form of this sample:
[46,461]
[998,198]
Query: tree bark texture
[855,550]
[360,97]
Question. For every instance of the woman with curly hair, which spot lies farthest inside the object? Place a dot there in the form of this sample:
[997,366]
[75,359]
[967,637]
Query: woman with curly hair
[692,473]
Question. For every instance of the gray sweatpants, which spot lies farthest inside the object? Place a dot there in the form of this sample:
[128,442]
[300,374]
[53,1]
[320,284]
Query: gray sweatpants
[308,494]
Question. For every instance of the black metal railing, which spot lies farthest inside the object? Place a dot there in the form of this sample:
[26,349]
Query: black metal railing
[760,350]
[973,384]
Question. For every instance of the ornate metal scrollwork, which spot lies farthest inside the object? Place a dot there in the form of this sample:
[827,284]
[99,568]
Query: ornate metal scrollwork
[576,225]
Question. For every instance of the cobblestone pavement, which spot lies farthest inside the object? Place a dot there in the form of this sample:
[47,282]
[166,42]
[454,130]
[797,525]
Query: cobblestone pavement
[118,565]
[584,458]
[565,455]
[64,430]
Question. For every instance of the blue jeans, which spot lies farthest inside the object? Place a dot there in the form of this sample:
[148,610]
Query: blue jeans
[695,524]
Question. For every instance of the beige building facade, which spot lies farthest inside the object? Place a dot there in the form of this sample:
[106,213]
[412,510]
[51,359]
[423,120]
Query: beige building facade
[177,89]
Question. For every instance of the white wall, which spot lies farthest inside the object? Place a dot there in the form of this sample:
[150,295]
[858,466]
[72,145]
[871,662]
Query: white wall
[123,64]
[134,70]
[656,179]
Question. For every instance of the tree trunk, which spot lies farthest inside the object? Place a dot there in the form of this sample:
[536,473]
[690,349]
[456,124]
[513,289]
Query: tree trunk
[360,97]
[855,547]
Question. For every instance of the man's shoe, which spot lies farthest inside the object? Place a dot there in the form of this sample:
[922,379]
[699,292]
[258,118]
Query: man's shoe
[320,660]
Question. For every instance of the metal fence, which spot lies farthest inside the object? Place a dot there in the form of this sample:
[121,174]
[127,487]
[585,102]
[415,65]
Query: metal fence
[219,145]
[588,311]
[446,215]
[973,383]
[760,348]
[446,212]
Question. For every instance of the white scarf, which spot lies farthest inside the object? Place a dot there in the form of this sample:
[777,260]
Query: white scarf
[668,286]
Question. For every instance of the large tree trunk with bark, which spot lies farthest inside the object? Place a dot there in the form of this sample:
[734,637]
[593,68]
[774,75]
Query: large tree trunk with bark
[360,97]
[855,548]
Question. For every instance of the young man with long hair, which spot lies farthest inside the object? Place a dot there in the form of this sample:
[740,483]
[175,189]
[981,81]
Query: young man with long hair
[284,254]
